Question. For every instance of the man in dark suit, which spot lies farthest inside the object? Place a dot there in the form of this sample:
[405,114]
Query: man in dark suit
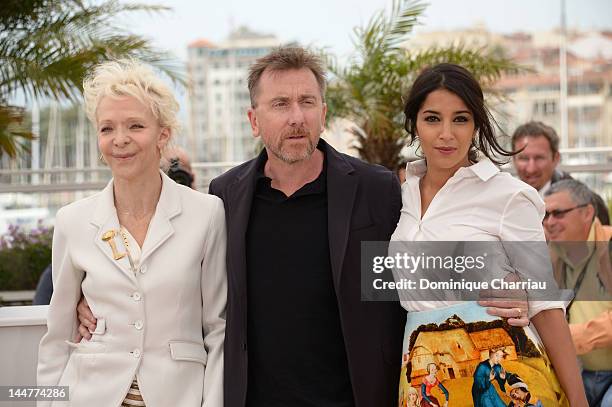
[297,331]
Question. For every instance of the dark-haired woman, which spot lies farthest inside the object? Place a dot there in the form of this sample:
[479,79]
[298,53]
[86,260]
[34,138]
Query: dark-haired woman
[459,194]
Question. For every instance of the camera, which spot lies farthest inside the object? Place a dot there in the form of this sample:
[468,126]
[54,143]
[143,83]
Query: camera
[179,174]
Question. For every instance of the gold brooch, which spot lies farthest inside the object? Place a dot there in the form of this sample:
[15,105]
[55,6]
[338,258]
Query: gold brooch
[109,237]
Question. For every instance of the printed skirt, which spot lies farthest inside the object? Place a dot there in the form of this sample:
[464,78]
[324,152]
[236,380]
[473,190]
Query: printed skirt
[463,356]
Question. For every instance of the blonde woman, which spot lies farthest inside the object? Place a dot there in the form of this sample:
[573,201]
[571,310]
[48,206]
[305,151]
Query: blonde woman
[147,254]
[413,397]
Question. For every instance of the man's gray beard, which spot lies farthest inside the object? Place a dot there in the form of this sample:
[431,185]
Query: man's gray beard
[278,151]
[292,159]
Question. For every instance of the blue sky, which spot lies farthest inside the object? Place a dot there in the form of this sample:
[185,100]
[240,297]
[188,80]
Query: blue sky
[330,22]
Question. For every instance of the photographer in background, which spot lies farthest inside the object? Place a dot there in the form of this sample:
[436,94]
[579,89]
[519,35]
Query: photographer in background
[536,163]
[581,259]
[176,163]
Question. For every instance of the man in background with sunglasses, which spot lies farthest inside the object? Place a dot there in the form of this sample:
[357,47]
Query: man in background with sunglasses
[537,160]
[580,248]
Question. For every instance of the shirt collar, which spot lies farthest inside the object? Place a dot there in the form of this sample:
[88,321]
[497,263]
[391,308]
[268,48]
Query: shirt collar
[545,188]
[416,168]
[483,169]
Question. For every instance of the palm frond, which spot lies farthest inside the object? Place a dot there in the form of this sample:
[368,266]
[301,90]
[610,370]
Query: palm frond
[404,18]
[42,58]
[368,90]
[13,136]
[486,64]
[47,46]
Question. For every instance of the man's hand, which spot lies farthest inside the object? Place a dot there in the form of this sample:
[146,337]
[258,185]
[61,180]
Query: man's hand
[514,310]
[510,304]
[87,320]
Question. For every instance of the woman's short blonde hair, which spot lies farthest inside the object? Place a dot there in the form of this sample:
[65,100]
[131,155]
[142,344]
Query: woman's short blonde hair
[131,78]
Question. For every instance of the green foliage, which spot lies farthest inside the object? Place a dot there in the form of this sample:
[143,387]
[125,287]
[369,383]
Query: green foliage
[47,46]
[369,89]
[13,135]
[23,257]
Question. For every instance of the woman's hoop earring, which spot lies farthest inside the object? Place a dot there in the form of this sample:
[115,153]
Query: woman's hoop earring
[418,152]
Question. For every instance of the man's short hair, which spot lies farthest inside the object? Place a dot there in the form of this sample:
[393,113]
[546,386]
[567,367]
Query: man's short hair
[537,129]
[284,59]
[579,193]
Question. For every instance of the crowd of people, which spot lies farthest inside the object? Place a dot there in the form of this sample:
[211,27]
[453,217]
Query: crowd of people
[251,295]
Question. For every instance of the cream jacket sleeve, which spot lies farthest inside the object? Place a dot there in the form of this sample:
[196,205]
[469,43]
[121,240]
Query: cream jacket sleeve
[214,299]
[54,351]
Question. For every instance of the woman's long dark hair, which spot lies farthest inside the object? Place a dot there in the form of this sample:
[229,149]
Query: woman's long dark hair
[459,81]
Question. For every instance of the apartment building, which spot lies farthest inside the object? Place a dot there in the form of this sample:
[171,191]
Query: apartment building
[218,95]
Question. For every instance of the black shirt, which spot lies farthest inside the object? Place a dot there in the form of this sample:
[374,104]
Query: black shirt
[296,354]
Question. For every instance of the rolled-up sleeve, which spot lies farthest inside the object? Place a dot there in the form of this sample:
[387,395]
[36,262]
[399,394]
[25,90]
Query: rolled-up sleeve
[594,334]
[523,238]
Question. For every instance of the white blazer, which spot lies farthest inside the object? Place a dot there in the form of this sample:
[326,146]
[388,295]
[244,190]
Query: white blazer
[165,323]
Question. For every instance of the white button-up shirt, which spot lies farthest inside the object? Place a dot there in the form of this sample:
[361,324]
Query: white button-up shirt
[478,203]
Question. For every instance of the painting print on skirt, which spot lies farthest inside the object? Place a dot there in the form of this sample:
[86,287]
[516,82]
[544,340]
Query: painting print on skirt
[460,356]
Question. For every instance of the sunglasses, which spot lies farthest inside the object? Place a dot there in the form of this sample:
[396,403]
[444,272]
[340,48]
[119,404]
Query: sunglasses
[560,213]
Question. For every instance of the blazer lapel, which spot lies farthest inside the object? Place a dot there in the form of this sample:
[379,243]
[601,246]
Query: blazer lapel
[105,218]
[160,228]
[239,201]
[341,189]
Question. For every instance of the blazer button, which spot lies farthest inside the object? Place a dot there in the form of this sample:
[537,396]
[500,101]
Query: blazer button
[136,296]
[244,346]
[138,324]
[136,353]
[143,269]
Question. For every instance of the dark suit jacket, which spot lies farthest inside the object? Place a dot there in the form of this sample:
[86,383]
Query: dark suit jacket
[44,288]
[364,202]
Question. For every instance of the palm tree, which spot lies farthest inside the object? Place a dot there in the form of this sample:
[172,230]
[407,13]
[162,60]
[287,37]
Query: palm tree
[368,90]
[46,46]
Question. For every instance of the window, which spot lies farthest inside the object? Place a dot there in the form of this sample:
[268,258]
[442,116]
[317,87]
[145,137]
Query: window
[545,108]
[584,88]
